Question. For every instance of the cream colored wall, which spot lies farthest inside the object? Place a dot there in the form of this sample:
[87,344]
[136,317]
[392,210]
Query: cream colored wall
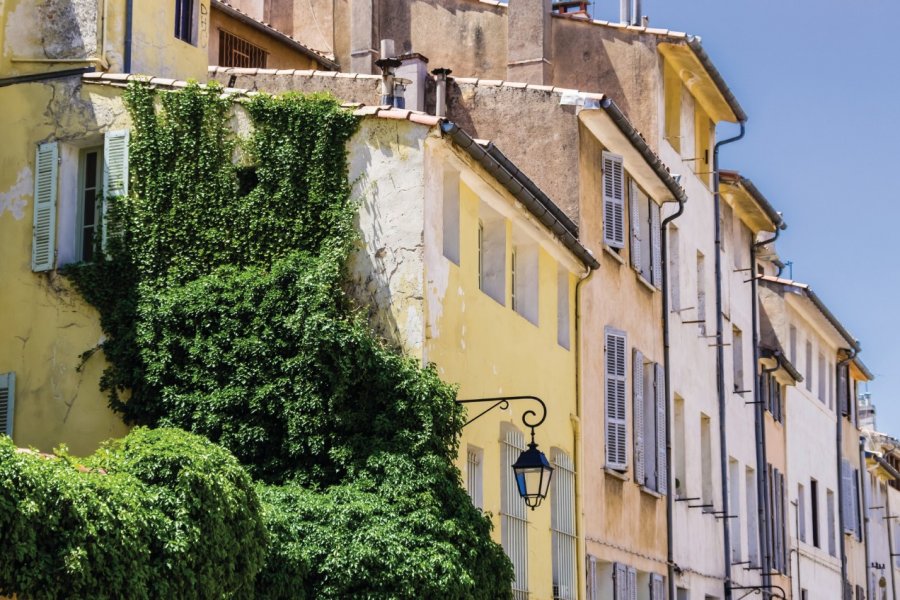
[156,50]
[46,323]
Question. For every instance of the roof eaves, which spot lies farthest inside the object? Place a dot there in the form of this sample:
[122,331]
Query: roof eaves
[773,215]
[783,362]
[694,43]
[272,32]
[524,190]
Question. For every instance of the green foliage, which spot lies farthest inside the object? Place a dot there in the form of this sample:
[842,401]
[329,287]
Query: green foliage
[222,299]
[160,514]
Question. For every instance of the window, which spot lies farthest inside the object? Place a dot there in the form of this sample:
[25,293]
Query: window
[492,254]
[89,189]
[809,366]
[777,539]
[562,524]
[848,499]
[646,256]
[674,270]
[801,512]
[737,354]
[185,21]
[704,129]
[814,511]
[672,90]
[475,475]
[649,410]
[701,293]
[734,500]
[613,201]
[513,512]
[7,402]
[771,392]
[624,582]
[823,395]
[752,517]
[450,213]
[793,342]
[238,52]
[563,325]
[524,271]
[678,450]
[615,377]
[657,587]
[829,507]
[830,385]
[706,464]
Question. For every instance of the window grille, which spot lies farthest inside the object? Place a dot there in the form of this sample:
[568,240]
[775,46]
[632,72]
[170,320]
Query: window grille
[562,523]
[238,52]
[513,513]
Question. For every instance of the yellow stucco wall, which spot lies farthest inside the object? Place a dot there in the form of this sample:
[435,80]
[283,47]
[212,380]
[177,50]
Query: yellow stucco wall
[46,324]
[280,55]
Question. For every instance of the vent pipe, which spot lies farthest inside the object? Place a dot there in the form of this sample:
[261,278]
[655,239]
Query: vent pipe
[440,92]
[630,12]
[387,63]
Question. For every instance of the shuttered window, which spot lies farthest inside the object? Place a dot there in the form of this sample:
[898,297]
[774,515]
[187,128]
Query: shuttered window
[655,246]
[635,199]
[613,200]
[43,247]
[615,377]
[115,175]
[620,582]
[637,393]
[829,506]
[513,513]
[7,402]
[801,511]
[562,523]
[657,587]
[662,472]
[848,500]
[592,578]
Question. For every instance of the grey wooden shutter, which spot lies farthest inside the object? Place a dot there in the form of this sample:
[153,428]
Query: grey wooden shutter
[857,515]
[613,200]
[7,402]
[616,429]
[842,390]
[632,583]
[593,591]
[634,205]
[620,582]
[655,246]
[662,471]
[637,393]
[115,174]
[657,587]
[43,245]
[847,496]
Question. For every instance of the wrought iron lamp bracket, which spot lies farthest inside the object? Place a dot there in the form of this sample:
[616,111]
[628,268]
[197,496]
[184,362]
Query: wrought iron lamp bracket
[502,402]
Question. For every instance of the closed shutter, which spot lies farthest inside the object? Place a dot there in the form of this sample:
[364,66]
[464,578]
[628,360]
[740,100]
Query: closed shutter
[43,245]
[662,471]
[620,582]
[655,246]
[634,203]
[7,402]
[616,431]
[842,389]
[801,512]
[613,200]
[632,583]
[115,173]
[657,587]
[847,497]
[857,516]
[637,389]
[593,589]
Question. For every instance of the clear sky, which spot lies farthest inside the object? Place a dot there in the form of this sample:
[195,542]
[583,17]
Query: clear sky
[820,82]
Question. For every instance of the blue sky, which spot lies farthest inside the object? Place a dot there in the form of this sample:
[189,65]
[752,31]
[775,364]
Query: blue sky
[819,80]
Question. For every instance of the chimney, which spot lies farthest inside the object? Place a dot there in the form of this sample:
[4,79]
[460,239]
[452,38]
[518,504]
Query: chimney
[630,12]
[414,68]
[387,63]
[440,91]
[528,35]
[362,38]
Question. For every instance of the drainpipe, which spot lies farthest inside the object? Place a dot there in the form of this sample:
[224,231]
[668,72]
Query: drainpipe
[579,436]
[863,471]
[720,364]
[129,17]
[890,527]
[840,440]
[440,92]
[760,412]
[670,497]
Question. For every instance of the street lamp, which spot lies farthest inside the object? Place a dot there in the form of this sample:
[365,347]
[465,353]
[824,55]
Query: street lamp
[532,470]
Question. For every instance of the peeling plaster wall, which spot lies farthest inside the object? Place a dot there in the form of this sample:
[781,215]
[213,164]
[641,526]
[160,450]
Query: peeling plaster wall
[46,323]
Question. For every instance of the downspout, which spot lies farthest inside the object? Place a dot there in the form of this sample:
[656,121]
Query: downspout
[890,528]
[760,412]
[720,365]
[863,471]
[670,497]
[129,18]
[840,440]
[579,440]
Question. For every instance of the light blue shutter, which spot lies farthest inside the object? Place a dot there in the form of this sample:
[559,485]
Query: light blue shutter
[655,246]
[620,582]
[115,173]
[634,204]
[7,402]
[43,245]
[613,200]
[662,472]
[632,583]
[637,394]
[616,429]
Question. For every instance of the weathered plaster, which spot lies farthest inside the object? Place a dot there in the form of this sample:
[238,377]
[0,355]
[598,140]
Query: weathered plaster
[15,199]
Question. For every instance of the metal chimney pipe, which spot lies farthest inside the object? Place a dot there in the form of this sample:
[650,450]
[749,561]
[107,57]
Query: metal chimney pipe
[440,93]
[387,63]
[625,11]
[635,12]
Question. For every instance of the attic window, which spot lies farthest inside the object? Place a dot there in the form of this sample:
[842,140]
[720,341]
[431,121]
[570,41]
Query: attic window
[238,52]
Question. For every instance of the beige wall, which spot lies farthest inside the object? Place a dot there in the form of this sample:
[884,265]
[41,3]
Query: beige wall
[280,55]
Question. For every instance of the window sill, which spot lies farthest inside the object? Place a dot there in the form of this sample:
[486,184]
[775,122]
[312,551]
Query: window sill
[645,283]
[616,474]
[651,492]
[615,255]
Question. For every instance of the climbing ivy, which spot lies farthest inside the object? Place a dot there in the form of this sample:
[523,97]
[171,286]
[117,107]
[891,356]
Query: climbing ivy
[223,302]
